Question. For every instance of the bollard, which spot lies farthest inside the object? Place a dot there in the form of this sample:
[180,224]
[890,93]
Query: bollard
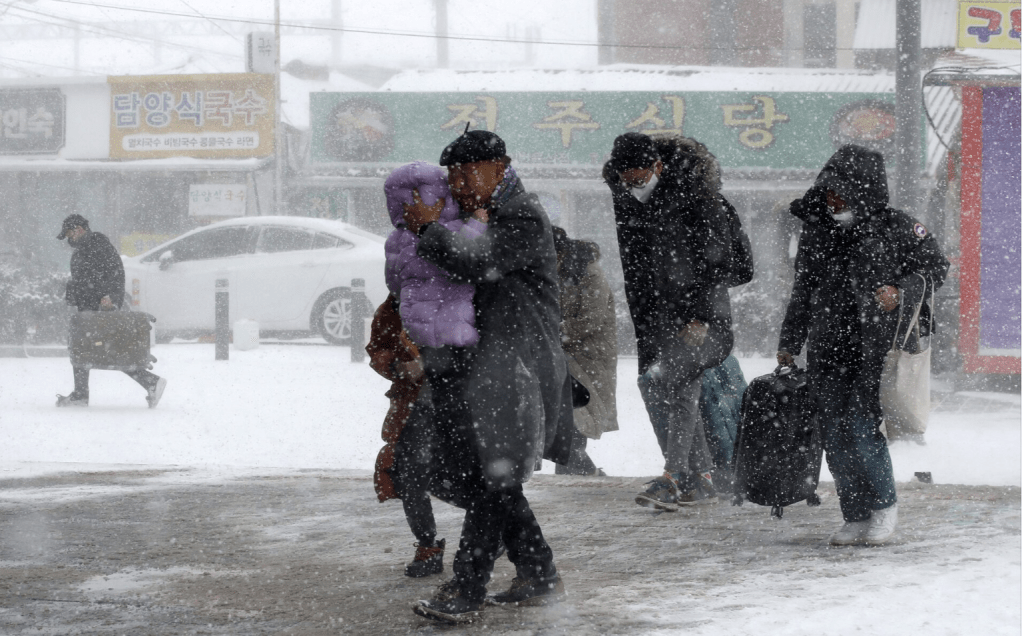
[357,311]
[222,326]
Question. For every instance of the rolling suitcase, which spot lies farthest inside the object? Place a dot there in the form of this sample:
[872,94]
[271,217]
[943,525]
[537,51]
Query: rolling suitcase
[778,450]
[117,340]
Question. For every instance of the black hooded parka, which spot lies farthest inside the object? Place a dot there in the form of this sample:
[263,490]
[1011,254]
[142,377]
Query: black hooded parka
[839,269]
[681,250]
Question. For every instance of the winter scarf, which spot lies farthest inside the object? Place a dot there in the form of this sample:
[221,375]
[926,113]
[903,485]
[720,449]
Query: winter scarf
[504,190]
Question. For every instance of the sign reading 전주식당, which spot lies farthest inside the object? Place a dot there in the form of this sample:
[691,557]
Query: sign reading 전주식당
[744,130]
[206,116]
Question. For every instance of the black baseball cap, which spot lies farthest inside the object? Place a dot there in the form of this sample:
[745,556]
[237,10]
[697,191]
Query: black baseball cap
[633,150]
[70,223]
[473,146]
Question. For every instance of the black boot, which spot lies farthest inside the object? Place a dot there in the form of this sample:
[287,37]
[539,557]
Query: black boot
[532,593]
[447,608]
[428,560]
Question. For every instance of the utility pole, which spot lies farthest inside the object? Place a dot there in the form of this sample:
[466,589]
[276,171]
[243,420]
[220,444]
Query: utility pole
[278,150]
[441,13]
[78,47]
[908,105]
[605,31]
[336,35]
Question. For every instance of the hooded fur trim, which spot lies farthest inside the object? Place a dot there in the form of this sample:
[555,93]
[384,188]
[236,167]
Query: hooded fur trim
[685,161]
[689,163]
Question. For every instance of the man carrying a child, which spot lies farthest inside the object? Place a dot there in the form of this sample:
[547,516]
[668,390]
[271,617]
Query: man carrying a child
[506,402]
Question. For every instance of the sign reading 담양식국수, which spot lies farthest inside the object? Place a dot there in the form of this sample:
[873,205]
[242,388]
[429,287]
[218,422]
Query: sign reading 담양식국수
[745,130]
[203,116]
[988,25]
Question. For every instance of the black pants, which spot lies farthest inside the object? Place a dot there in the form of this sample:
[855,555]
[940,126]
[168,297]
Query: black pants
[413,469]
[492,516]
[143,377]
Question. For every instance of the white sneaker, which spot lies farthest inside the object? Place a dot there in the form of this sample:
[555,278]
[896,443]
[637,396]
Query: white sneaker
[852,533]
[155,392]
[883,526]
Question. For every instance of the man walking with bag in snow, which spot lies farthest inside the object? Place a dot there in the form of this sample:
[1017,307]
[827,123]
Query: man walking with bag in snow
[857,260]
[97,284]
[682,247]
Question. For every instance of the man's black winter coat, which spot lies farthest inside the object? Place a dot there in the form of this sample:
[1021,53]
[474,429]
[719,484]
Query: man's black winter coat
[839,269]
[519,391]
[96,271]
[680,251]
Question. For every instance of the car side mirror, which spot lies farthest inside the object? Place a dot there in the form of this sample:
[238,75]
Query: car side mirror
[166,259]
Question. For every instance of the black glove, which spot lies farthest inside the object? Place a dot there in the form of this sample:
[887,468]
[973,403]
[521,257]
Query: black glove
[817,196]
[813,203]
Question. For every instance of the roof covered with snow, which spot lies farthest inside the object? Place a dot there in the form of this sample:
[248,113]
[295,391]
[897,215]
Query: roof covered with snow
[876,24]
[636,77]
[989,63]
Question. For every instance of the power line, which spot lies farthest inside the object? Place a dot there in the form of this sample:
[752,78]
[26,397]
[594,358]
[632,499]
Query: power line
[208,20]
[66,68]
[433,36]
[91,28]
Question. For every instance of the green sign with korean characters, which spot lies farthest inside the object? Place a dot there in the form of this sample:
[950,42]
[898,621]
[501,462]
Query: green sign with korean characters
[745,130]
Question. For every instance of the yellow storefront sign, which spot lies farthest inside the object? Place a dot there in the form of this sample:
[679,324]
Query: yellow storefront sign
[988,25]
[202,116]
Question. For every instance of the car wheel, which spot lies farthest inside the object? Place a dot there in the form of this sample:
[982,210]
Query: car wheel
[332,316]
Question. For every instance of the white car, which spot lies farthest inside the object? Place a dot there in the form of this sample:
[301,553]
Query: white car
[286,273]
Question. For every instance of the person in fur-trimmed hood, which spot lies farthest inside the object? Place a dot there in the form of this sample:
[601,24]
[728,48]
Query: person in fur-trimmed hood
[682,246]
[856,259]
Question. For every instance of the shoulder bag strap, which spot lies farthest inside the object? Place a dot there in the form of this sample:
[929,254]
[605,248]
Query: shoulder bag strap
[913,320]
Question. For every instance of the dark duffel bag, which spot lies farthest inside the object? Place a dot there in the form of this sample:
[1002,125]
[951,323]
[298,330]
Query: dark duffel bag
[778,450]
[116,340]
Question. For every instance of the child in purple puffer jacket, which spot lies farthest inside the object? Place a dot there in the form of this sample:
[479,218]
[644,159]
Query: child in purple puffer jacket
[438,315]
[435,310]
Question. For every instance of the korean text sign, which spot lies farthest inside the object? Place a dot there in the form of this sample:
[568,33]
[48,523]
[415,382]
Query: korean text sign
[205,116]
[216,199]
[31,121]
[988,25]
[757,130]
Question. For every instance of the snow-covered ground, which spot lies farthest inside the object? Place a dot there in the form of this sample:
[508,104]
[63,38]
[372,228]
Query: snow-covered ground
[301,406]
[282,408]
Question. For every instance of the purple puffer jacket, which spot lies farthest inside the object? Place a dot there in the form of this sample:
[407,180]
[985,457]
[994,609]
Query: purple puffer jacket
[435,311]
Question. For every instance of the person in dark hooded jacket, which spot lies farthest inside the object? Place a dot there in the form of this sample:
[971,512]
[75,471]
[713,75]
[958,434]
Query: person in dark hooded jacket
[682,247]
[502,405]
[97,283]
[856,259]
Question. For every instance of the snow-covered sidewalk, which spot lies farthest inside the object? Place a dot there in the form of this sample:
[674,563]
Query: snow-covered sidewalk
[244,505]
[294,406]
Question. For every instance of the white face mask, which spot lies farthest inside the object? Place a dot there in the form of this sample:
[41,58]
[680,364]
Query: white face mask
[643,193]
[844,217]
